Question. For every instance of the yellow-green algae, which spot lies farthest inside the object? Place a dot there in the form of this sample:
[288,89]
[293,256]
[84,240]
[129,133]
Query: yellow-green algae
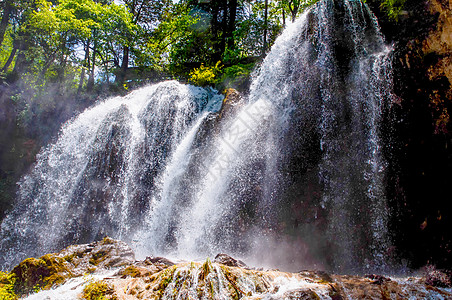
[132,271]
[7,281]
[206,281]
[34,274]
[98,290]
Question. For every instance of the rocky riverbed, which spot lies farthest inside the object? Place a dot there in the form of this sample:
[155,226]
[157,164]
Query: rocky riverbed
[107,269]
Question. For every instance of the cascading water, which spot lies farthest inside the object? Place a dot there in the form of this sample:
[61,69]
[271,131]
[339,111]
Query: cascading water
[99,176]
[330,106]
[299,163]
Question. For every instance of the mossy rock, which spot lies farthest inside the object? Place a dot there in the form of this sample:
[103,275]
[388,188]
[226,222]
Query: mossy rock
[107,241]
[98,257]
[98,290]
[40,273]
[131,271]
[7,281]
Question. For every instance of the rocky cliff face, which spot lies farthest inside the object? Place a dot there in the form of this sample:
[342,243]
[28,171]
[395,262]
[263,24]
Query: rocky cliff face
[108,269]
[438,43]
[418,131]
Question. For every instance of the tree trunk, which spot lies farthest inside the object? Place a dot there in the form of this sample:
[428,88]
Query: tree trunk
[124,66]
[10,59]
[90,84]
[217,28]
[85,66]
[294,9]
[264,48]
[284,17]
[21,63]
[294,13]
[231,23]
[7,9]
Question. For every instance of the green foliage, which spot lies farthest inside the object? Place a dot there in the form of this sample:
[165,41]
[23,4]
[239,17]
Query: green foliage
[7,281]
[157,45]
[236,75]
[393,8]
[6,47]
[98,290]
[204,76]
[238,70]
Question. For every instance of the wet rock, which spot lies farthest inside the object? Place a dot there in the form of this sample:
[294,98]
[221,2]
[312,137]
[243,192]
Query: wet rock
[438,278]
[54,269]
[300,294]
[377,279]
[225,278]
[104,254]
[232,100]
[159,260]
[227,260]
[317,275]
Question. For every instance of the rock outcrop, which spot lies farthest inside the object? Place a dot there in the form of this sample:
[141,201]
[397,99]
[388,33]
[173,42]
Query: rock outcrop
[54,269]
[417,131]
[108,269]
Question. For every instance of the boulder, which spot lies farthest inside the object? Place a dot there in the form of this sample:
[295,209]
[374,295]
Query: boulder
[438,278]
[54,269]
[159,261]
[227,260]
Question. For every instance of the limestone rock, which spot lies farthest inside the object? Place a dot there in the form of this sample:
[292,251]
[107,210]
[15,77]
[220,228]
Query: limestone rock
[231,102]
[225,278]
[227,260]
[54,269]
[159,260]
[438,278]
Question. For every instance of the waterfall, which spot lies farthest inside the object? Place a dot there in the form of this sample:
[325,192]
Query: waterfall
[297,166]
[100,175]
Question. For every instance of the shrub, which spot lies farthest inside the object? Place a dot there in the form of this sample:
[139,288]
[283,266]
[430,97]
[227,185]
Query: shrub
[236,75]
[393,8]
[204,76]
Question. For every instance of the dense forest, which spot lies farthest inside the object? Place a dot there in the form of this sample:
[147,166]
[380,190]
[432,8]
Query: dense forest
[59,57]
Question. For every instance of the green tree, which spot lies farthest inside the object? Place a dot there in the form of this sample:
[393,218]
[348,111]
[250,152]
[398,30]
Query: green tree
[146,14]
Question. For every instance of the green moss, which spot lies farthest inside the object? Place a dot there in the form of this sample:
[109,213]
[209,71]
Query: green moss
[211,289]
[98,290]
[34,274]
[315,296]
[234,291]
[166,277]
[7,281]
